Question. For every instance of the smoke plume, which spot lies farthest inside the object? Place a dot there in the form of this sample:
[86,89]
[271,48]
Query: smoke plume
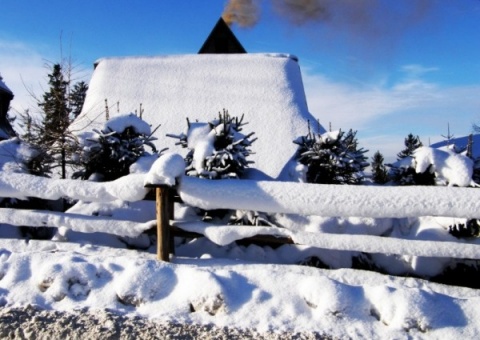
[360,18]
[245,13]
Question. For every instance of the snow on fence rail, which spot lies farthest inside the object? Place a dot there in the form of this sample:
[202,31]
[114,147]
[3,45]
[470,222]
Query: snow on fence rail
[321,200]
[266,196]
[331,200]
[128,188]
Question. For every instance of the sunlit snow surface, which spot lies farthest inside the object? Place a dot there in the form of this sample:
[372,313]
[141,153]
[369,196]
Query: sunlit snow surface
[234,285]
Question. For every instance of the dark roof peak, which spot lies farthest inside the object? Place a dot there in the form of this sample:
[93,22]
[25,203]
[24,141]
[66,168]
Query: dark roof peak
[221,40]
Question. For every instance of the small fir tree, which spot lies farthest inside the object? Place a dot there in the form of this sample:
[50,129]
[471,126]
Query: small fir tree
[379,171]
[403,171]
[110,153]
[411,144]
[220,150]
[332,157]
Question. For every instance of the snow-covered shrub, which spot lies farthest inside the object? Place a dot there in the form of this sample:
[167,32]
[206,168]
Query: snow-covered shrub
[217,149]
[109,152]
[403,172]
[332,157]
[430,166]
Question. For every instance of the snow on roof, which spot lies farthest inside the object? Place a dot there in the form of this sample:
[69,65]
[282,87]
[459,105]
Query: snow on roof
[267,88]
[4,87]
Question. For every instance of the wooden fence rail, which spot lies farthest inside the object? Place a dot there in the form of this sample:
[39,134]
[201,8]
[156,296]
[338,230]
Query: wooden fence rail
[167,228]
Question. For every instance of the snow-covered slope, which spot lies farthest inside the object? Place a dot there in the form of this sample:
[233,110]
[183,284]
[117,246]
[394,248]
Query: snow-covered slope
[268,89]
[460,144]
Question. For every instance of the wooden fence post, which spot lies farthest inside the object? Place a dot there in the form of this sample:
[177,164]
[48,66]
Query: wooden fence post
[163,207]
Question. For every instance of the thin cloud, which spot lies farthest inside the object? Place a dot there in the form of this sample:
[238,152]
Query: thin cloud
[23,71]
[384,114]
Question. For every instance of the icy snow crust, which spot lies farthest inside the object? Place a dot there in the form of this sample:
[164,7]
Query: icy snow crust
[268,89]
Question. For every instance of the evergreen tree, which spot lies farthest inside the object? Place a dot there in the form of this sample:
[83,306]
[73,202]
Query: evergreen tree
[50,135]
[332,158]
[55,106]
[411,144]
[219,150]
[403,171]
[379,171]
[110,152]
[77,98]
[222,150]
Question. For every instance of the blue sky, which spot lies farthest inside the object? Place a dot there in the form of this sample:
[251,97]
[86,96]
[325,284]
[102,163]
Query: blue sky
[384,68]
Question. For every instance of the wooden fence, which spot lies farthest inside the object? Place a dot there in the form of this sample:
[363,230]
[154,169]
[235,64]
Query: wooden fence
[167,229]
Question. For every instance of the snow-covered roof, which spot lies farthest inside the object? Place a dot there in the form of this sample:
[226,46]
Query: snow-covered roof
[267,88]
[4,87]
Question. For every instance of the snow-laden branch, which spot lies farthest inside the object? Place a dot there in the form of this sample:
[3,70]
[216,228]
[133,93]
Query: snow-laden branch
[80,223]
[331,200]
[223,235]
[128,188]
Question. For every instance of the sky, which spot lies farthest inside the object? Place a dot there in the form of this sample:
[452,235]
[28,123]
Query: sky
[383,68]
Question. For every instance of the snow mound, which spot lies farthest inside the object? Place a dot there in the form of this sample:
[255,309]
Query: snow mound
[267,89]
[454,169]
[121,123]
[165,170]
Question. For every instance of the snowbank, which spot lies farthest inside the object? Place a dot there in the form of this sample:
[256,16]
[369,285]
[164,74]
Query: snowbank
[340,304]
[268,89]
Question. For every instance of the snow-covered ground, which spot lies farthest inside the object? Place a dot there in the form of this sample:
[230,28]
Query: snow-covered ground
[90,267]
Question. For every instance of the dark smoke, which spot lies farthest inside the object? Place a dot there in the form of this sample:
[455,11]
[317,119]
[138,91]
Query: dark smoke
[360,18]
[245,13]
[356,17]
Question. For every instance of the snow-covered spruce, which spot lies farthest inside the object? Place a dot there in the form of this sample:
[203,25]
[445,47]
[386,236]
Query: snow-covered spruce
[331,158]
[431,166]
[108,153]
[217,149]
